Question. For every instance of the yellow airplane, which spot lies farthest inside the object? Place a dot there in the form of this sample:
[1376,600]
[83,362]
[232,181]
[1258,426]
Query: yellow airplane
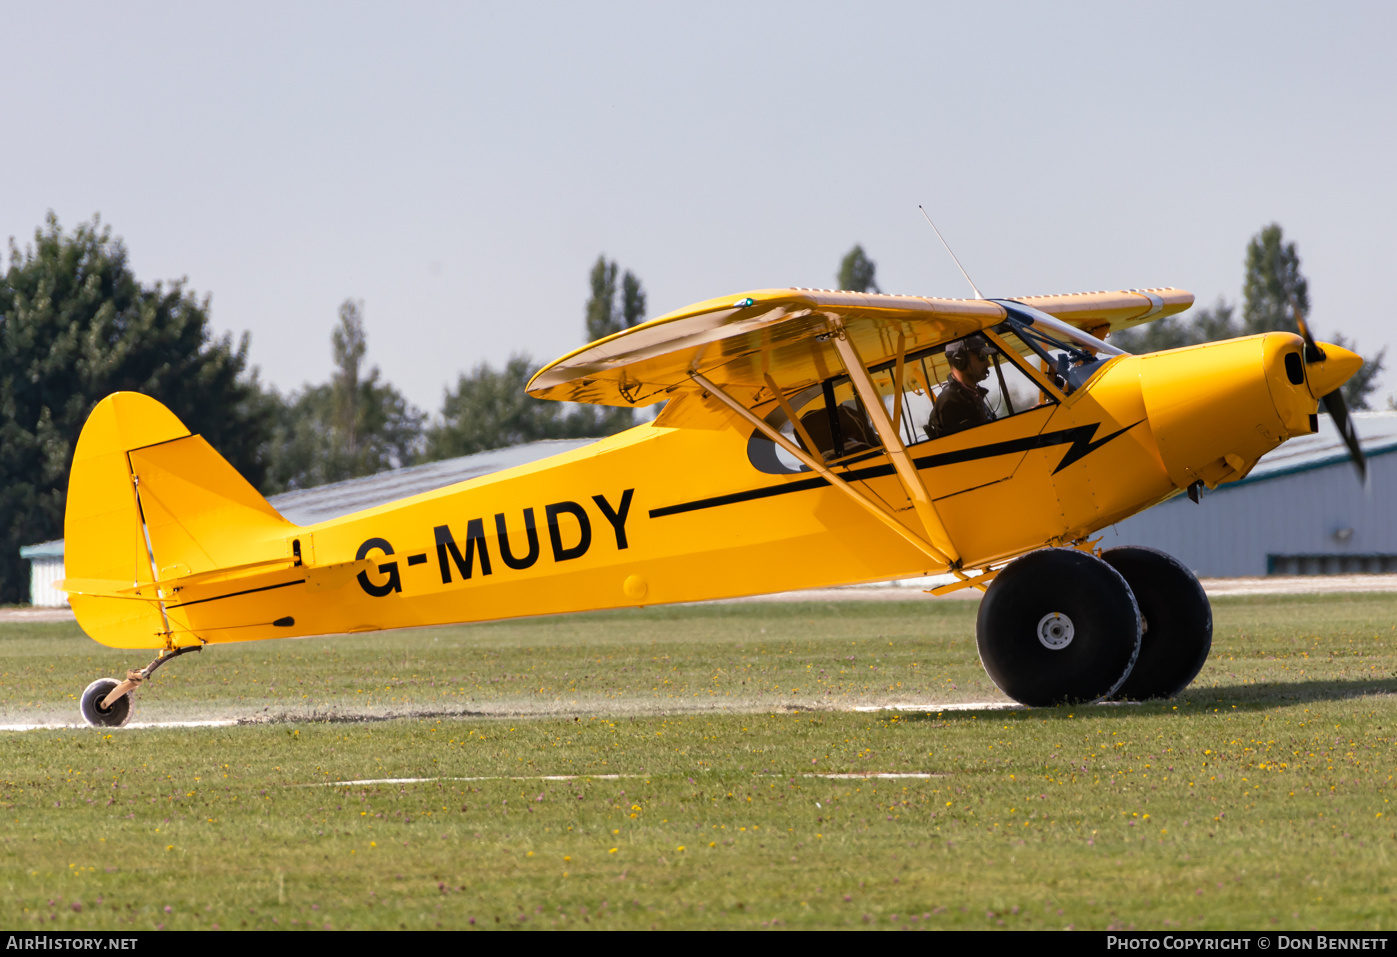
[809,438]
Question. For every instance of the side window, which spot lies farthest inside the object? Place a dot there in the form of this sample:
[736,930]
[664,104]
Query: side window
[833,419]
[922,375]
[845,432]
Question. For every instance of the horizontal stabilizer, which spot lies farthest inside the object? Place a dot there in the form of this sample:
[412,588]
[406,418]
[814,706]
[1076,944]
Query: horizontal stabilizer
[107,588]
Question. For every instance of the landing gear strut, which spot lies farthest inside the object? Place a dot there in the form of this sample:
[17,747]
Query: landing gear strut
[106,703]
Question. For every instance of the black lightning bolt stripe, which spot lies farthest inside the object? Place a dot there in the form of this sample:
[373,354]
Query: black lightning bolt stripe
[1078,439]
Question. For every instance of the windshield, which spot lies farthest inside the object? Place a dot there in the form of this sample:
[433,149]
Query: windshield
[1068,354]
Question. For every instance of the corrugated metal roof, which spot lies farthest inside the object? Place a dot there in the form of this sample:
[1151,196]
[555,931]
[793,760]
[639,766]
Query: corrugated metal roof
[320,504]
[1377,434]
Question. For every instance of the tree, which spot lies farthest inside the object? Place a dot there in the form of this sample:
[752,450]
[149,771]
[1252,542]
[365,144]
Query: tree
[856,272]
[604,317]
[601,319]
[632,300]
[348,344]
[489,409]
[353,425]
[1273,287]
[75,326]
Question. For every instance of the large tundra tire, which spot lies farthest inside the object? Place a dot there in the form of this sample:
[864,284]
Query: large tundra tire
[1177,620]
[1058,626]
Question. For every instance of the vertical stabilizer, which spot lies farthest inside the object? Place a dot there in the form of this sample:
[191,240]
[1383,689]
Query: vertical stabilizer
[148,502]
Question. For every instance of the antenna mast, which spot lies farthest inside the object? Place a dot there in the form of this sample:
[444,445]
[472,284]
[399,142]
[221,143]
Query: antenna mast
[974,288]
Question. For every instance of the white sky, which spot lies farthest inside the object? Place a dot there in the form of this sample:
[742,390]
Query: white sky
[460,166]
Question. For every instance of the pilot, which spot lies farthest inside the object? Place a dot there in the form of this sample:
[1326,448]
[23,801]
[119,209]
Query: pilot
[961,404]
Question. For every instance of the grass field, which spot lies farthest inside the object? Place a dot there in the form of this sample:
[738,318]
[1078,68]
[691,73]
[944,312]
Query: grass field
[696,741]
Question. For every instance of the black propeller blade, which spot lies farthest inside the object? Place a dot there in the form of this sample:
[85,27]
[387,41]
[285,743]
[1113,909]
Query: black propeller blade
[1338,411]
[1334,402]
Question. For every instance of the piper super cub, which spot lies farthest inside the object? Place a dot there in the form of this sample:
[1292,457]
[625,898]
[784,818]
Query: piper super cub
[808,438]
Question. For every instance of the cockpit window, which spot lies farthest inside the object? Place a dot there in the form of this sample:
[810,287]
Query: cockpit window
[941,391]
[962,385]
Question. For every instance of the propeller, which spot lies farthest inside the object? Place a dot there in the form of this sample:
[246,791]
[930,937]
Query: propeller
[1334,402]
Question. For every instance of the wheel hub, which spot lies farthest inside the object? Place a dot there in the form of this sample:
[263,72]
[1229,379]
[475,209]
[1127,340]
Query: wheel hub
[1055,631]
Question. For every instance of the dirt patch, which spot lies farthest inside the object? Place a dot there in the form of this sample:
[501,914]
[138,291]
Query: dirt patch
[179,718]
[1216,587]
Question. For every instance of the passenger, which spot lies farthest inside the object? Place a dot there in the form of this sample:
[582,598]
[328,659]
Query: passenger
[961,404]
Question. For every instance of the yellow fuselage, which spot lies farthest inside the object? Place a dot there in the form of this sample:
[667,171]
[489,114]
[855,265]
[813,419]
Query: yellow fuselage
[674,510]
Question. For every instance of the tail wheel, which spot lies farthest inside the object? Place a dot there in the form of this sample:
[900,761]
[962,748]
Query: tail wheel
[1058,626]
[94,714]
[1178,622]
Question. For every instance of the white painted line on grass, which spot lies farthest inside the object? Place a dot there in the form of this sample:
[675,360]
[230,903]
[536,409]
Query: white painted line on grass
[928,708]
[843,776]
[488,777]
[864,775]
[982,706]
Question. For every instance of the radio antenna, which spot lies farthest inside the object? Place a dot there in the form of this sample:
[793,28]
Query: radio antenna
[978,294]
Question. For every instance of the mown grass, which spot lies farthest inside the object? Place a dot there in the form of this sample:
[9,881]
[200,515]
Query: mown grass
[1258,799]
[690,657]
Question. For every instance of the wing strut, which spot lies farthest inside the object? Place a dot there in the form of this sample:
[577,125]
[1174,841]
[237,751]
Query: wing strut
[150,554]
[884,516]
[903,465]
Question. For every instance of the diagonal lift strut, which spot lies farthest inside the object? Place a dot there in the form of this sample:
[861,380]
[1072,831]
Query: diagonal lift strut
[819,468]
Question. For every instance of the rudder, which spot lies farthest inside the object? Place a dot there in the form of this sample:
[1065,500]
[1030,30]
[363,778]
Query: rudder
[147,502]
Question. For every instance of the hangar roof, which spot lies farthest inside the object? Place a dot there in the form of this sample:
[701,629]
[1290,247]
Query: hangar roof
[311,505]
[1377,433]
[53,549]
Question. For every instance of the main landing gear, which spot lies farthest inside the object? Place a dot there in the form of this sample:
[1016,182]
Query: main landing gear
[1062,626]
[106,703]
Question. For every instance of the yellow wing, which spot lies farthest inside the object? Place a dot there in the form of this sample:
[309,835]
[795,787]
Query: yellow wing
[736,340]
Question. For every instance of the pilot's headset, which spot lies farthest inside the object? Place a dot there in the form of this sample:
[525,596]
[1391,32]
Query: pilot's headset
[958,353]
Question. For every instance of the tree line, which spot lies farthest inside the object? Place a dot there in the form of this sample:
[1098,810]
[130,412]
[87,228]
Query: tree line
[76,325]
